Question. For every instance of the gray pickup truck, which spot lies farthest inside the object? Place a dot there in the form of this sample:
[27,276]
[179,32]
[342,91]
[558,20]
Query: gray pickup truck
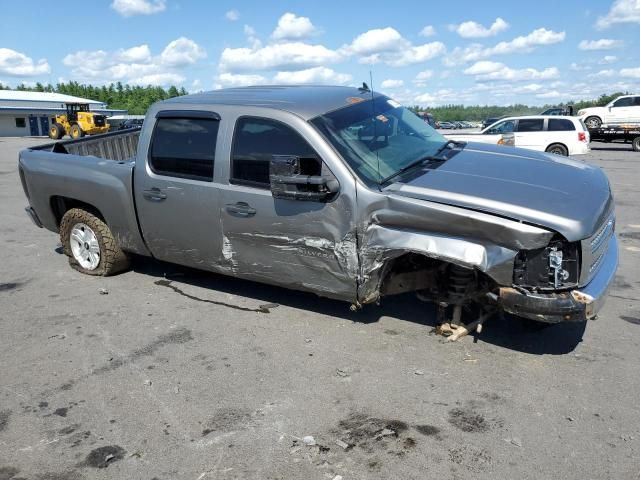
[335,190]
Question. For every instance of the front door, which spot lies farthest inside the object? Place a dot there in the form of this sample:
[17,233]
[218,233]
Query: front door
[304,245]
[175,196]
[621,111]
[33,126]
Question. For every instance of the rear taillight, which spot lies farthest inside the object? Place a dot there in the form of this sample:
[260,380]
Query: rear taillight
[582,137]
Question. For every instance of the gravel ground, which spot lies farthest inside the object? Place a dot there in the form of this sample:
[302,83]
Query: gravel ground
[178,374]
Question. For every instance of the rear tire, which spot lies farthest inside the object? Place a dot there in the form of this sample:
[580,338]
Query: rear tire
[76,131]
[56,131]
[557,149]
[90,245]
[593,122]
[635,144]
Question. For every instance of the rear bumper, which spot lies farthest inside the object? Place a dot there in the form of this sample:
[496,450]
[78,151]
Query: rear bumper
[572,306]
[33,216]
[581,149]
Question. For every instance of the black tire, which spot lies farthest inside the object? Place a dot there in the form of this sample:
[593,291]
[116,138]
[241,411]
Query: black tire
[593,122]
[76,131]
[635,144]
[112,258]
[558,149]
[56,131]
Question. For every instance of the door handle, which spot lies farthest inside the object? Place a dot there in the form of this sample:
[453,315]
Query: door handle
[154,194]
[240,209]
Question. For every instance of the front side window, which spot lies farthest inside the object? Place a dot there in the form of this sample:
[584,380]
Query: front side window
[256,141]
[530,125]
[184,148]
[378,137]
[503,127]
[560,125]
[624,102]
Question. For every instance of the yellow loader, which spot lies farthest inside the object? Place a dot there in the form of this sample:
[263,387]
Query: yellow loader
[78,122]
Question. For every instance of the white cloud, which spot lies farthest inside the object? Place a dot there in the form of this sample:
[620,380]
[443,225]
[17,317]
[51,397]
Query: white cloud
[551,94]
[128,8]
[521,44]
[239,80]
[158,79]
[292,27]
[136,64]
[232,15]
[428,31]
[182,51]
[487,70]
[19,65]
[603,74]
[472,29]
[531,87]
[391,83]
[622,11]
[422,77]
[281,56]
[608,59]
[602,44]
[579,67]
[630,72]
[315,75]
[388,46]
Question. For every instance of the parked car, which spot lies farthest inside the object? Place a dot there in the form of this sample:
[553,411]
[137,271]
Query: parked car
[131,123]
[491,120]
[446,126]
[335,190]
[563,111]
[554,134]
[622,110]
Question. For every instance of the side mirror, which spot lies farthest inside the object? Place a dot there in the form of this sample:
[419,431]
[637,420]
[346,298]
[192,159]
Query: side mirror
[295,178]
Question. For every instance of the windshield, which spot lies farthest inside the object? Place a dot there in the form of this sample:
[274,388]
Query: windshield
[378,137]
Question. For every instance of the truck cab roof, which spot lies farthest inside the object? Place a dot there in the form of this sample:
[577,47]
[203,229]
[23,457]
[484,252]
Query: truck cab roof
[306,101]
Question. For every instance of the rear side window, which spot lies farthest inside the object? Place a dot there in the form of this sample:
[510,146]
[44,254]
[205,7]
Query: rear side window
[530,125]
[636,101]
[184,148]
[255,141]
[560,125]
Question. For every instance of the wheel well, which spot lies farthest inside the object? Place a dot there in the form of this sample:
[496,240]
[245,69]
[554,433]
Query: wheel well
[557,143]
[61,205]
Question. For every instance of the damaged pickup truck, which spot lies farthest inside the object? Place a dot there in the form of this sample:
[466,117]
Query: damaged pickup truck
[334,190]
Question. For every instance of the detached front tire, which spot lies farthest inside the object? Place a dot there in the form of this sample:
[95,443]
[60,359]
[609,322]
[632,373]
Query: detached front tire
[90,245]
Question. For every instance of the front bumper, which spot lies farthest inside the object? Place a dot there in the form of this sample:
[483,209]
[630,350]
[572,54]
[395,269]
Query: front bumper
[572,306]
[33,216]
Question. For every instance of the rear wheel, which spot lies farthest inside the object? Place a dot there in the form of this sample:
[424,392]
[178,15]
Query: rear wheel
[593,122]
[56,131]
[76,131]
[636,144]
[558,149]
[90,245]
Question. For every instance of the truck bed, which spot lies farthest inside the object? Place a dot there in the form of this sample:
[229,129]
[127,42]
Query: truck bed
[96,171]
[120,145]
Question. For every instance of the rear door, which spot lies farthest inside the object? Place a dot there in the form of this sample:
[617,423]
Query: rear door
[530,133]
[175,196]
[305,245]
[562,130]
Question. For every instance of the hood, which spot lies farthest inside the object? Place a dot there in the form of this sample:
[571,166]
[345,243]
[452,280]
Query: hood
[567,196]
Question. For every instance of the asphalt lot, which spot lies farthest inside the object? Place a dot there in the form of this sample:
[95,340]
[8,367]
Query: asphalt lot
[194,381]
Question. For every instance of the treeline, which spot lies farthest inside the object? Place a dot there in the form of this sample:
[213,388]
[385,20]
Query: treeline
[472,113]
[135,99]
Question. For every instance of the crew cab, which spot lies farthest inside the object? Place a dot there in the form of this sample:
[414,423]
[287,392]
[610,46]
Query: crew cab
[553,134]
[334,190]
[622,110]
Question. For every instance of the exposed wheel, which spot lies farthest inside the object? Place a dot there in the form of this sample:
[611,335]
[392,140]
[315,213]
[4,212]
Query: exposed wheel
[635,144]
[56,131]
[89,244]
[76,131]
[558,149]
[593,122]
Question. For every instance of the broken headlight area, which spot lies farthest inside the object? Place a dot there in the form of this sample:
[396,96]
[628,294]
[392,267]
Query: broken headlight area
[555,267]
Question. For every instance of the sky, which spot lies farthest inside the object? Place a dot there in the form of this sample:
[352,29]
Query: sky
[418,52]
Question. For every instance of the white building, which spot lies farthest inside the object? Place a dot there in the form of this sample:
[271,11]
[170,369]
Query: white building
[30,113]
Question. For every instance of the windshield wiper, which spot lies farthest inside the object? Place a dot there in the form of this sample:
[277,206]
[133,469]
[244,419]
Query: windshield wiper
[447,144]
[413,164]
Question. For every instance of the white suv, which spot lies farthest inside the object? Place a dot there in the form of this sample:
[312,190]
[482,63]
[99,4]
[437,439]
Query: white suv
[625,109]
[554,134]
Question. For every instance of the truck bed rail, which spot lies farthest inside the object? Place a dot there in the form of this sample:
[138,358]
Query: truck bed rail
[121,145]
